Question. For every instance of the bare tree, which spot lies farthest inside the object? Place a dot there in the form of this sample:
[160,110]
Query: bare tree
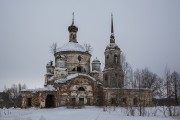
[146,79]
[175,85]
[127,71]
[88,47]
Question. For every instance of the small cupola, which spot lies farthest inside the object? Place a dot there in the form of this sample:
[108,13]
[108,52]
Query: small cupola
[96,65]
[72,32]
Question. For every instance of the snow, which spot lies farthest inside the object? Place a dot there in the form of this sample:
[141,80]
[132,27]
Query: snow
[48,73]
[72,76]
[46,88]
[95,71]
[71,46]
[60,69]
[86,113]
[112,46]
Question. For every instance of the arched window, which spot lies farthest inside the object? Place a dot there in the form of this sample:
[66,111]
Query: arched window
[79,68]
[115,59]
[81,89]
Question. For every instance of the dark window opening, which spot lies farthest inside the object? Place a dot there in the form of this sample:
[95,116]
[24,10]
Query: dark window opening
[106,80]
[106,77]
[79,68]
[79,58]
[29,102]
[88,101]
[73,100]
[107,57]
[113,101]
[135,101]
[124,100]
[81,89]
[115,59]
[73,69]
[81,101]
[50,101]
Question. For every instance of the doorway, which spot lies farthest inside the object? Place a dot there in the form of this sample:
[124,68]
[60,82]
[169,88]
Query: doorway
[50,101]
[29,102]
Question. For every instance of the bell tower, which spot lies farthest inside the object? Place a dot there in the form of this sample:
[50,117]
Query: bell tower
[113,75]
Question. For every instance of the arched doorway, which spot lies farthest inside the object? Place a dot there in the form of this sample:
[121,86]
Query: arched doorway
[49,101]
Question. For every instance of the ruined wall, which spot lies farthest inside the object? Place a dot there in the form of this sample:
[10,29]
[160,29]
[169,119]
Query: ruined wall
[128,97]
[37,99]
[79,90]
[75,59]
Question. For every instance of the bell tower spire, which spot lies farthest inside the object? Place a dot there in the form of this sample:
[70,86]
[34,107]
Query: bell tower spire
[73,19]
[73,31]
[112,38]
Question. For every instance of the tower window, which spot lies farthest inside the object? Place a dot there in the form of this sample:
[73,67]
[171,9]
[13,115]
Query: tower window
[79,58]
[106,80]
[115,59]
[106,77]
[107,57]
[79,68]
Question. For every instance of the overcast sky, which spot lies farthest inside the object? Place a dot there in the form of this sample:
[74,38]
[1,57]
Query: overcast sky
[147,31]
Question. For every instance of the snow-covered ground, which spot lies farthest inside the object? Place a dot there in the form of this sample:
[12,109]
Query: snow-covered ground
[86,113]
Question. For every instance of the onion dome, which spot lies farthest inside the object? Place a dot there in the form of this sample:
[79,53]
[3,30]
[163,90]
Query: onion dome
[96,61]
[72,27]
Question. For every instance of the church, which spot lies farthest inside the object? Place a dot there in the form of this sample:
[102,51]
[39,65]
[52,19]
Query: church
[70,81]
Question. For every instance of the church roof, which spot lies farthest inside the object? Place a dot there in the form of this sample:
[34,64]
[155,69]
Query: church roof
[71,46]
[46,88]
[72,76]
